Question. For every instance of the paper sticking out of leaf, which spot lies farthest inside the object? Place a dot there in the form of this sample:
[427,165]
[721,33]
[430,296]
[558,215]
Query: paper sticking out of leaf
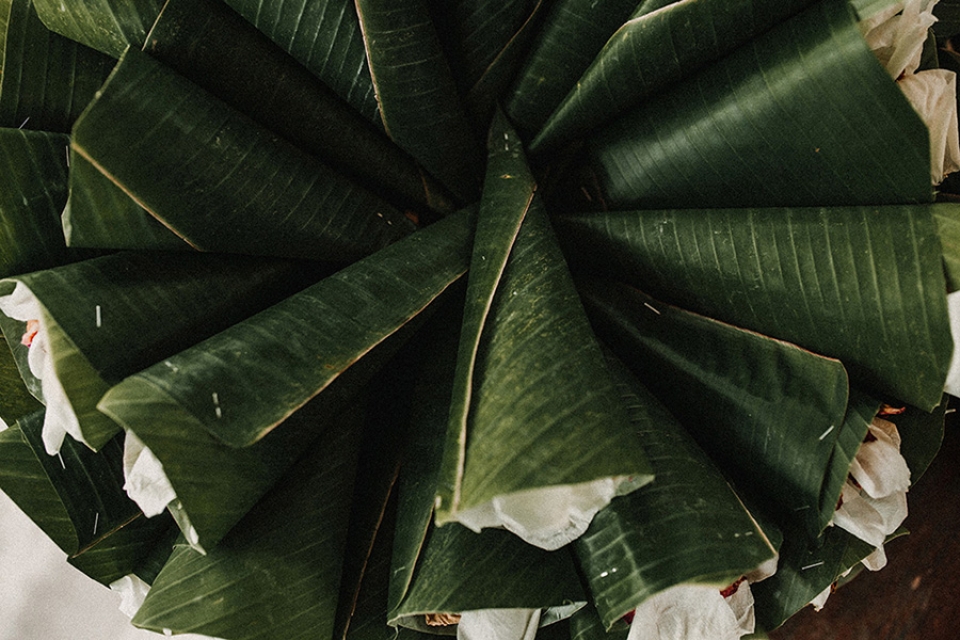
[219,180]
[845,135]
[531,386]
[748,387]
[861,284]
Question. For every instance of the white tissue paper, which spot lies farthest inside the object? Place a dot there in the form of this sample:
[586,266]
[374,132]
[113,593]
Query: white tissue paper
[499,624]
[132,591]
[952,386]
[60,419]
[550,517]
[694,612]
[146,483]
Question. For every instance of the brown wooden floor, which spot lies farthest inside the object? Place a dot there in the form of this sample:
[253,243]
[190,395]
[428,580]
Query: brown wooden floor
[917,595]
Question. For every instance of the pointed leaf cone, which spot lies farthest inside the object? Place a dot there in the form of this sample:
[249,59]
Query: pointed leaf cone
[494,569]
[105,25]
[572,34]
[77,499]
[107,318]
[47,79]
[325,38]
[747,387]
[687,527]
[220,181]
[245,69]
[277,574]
[228,416]
[531,385]
[841,131]
[863,285]
[643,58]
[35,188]
[418,99]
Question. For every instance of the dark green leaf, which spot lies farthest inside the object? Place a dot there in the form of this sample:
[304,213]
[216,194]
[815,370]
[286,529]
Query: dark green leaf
[15,400]
[688,526]
[325,37]
[106,25]
[808,93]
[531,384]
[746,386]
[864,285]
[921,434]
[217,179]
[47,79]
[418,98]
[947,217]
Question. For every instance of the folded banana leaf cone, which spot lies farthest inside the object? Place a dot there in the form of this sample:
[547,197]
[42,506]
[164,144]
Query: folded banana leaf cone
[530,384]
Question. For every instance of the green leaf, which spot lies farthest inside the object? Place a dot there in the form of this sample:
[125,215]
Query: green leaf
[864,285]
[688,526]
[277,574]
[808,93]
[78,500]
[217,179]
[99,214]
[850,435]
[245,69]
[418,98]
[47,79]
[325,38]
[34,166]
[15,400]
[154,304]
[572,34]
[747,387]
[105,25]
[947,217]
[921,434]
[657,47]
[531,384]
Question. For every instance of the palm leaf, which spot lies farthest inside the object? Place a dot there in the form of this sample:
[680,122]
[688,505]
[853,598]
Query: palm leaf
[686,527]
[105,25]
[324,36]
[643,57]
[947,217]
[277,575]
[418,99]
[245,69]
[211,174]
[808,93]
[47,79]
[748,386]
[530,382]
[864,285]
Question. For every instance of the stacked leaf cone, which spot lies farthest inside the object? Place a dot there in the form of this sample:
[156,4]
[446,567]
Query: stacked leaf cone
[697,253]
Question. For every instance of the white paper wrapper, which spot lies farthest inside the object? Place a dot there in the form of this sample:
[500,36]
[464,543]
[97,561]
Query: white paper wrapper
[146,483]
[499,624]
[60,418]
[132,591]
[952,386]
[548,518]
[694,612]
[897,34]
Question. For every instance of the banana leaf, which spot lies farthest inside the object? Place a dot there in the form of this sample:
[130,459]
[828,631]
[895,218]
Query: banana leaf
[494,569]
[653,50]
[418,99]
[688,526]
[35,169]
[572,34]
[808,93]
[77,499]
[863,285]
[531,385]
[16,401]
[47,79]
[209,414]
[484,42]
[151,305]
[245,69]
[220,181]
[98,214]
[947,217]
[105,25]
[747,387]
[277,574]
[324,36]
